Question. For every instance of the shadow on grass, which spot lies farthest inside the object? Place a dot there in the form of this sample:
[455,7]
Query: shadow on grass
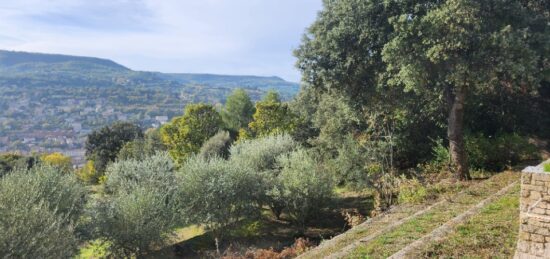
[267,232]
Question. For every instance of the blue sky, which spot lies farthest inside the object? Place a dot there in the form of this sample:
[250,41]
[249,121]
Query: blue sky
[252,37]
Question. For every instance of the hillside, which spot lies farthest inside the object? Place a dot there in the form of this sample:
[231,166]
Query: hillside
[38,69]
[49,102]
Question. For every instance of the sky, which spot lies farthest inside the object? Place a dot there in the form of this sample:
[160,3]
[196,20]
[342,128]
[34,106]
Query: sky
[238,37]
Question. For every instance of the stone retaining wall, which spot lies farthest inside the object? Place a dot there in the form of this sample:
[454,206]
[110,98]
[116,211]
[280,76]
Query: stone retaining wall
[534,230]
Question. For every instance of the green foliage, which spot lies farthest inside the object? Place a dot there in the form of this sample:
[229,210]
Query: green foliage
[260,155]
[333,117]
[39,208]
[271,118]
[141,205]
[9,162]
[546,167]
[185,135]
[217,145]
[306,187]
[272,96]
[103,145]
[219,194]
[412,191]
[141,148]
[238,110]
[348,164]
[88,174]
[495,153]
[358,49]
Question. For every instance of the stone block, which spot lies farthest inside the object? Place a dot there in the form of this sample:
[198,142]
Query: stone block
[535,195]
[523,246]
[544,177]
[538,211]
[524,236]
[537,238]
[536,249]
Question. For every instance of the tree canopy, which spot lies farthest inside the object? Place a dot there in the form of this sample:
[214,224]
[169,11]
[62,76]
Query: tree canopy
[418,62]
[185,135]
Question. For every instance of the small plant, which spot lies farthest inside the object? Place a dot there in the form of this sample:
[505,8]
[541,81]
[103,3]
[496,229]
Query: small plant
[546,167]
[412,191]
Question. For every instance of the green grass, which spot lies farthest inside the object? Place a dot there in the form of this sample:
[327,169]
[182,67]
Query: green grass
[393,241]
[490,234]
[546,167]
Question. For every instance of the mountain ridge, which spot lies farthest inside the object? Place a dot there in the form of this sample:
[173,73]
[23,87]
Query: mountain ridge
[36,69]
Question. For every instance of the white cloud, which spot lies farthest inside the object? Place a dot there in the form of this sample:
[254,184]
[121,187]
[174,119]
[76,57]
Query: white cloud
[214,36]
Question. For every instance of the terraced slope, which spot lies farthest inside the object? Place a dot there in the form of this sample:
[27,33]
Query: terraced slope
[386,235]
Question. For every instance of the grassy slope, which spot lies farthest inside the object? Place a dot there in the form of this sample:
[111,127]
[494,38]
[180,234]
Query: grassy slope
[393,240]
[490,234]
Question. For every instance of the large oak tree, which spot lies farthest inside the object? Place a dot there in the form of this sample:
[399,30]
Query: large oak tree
[439,52]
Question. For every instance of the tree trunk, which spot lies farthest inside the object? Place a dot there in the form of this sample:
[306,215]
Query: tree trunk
[455,133]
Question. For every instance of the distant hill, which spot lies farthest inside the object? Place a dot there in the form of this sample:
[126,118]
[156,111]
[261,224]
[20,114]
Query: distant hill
[23,59]
[37,69]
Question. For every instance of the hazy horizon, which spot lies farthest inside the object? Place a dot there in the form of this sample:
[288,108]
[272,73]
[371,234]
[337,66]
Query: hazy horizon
[213,36]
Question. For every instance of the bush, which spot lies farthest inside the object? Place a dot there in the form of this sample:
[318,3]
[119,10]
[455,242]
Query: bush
[217,145]
[136,220]
[348,165]
[39,209]
[142,148]
[10,162]
[156,171]
[260,155]
[219,194]
[495,153]
[140,207]
[306,188]
[88,174]
[412,191]
[58,160]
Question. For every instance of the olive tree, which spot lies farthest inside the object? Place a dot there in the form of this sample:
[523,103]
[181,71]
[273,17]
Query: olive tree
[140,207]
[260,156]
[306,187]
[218,194]
[39,212]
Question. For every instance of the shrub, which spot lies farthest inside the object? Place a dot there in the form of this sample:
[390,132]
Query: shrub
[217,145]
[136,220]
[412,191]
[10,161]
[348,165]
[495,153]
[88,174]
[219,194]
[142,148]
[39,208]
[58,160]
[155,171]
[140,206]
[260,156]
[306,188]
